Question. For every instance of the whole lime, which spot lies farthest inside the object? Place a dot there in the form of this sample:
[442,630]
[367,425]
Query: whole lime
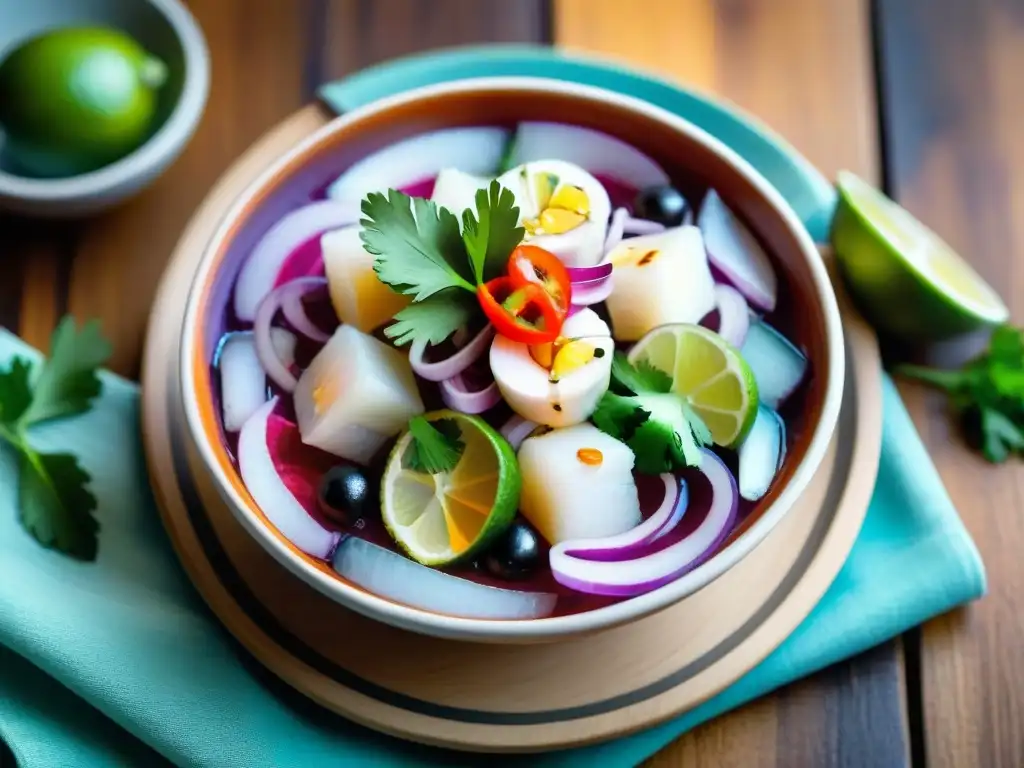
[73,100]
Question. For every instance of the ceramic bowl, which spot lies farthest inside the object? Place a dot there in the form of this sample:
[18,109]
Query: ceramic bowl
[807,311]
[163,27]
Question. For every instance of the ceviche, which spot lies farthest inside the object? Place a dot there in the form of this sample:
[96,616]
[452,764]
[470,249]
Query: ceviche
[507,374]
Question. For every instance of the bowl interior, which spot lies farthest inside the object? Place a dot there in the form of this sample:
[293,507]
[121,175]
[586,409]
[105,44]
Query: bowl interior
[142,20]
[693,163]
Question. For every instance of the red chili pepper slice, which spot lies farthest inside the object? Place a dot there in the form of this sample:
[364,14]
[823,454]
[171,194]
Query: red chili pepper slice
[532,264]
[521,311]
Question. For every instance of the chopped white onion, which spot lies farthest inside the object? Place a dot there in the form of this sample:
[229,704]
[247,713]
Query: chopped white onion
[243,382]
[778,366]
[762,454]
[397,578]
[473,150]
[280,506]
[261,269]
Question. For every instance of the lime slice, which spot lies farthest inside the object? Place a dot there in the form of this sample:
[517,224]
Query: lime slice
[905,279]
[443,518]
[709,372]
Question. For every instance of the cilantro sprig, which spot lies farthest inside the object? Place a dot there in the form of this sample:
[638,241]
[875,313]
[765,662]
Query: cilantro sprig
[659,426]
[436,446]
[421,252]
[987,393]
[55,504]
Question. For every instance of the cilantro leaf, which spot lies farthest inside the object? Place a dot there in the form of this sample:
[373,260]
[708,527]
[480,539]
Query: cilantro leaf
[987,393]
[418,245]
[68,380]
[492,234]
[436,446]
[56,506]
[434,319]
[639,378]
[655,448]
[619,416]
[661,429]
[15,391]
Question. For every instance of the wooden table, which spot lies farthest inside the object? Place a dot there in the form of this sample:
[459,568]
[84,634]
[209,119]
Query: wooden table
[921,95]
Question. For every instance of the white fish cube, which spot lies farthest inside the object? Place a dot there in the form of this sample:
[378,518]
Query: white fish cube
[660,279]
[357,294]
[578,484]
[356,393]
[456,191]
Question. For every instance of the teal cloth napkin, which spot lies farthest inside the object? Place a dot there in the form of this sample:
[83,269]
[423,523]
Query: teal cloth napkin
[119,663]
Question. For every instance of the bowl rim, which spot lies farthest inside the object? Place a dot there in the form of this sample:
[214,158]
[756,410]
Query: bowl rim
[169,137]
[426,622]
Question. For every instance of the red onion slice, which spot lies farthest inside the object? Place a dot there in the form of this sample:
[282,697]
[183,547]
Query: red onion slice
[453,365]
[633,542]
[282,509]
[633,226]
[397,578]
[262,267]
[627,578]
[734,250]
[586,274]
[592,292]
[457,397]
[517,429]
[293,310]
[733,314]
[271,363]
[762,454]
[615,226]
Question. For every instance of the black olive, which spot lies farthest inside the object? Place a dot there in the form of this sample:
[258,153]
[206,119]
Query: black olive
[664,204]
[344,495]
[516,554]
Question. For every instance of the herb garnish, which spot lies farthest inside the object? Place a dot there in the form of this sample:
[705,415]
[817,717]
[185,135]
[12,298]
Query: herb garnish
[55,504]
[987,393]
[659,426]
[436,446]
[422,253]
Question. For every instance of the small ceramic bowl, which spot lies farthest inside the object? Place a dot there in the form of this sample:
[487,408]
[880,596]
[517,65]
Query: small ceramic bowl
[163,27]
[807,312]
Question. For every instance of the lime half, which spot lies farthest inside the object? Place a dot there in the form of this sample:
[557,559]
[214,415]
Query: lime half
[442,518]
[905,279]
[709,372]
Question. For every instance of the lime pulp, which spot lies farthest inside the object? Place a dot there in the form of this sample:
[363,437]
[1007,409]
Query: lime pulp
[448,517]
[709,372]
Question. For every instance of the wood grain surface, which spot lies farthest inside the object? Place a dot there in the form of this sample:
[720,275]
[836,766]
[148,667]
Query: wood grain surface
[951,85]
[819,94]
[950,116]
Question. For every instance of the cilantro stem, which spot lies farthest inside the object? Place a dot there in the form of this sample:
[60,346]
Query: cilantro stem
[13,437]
